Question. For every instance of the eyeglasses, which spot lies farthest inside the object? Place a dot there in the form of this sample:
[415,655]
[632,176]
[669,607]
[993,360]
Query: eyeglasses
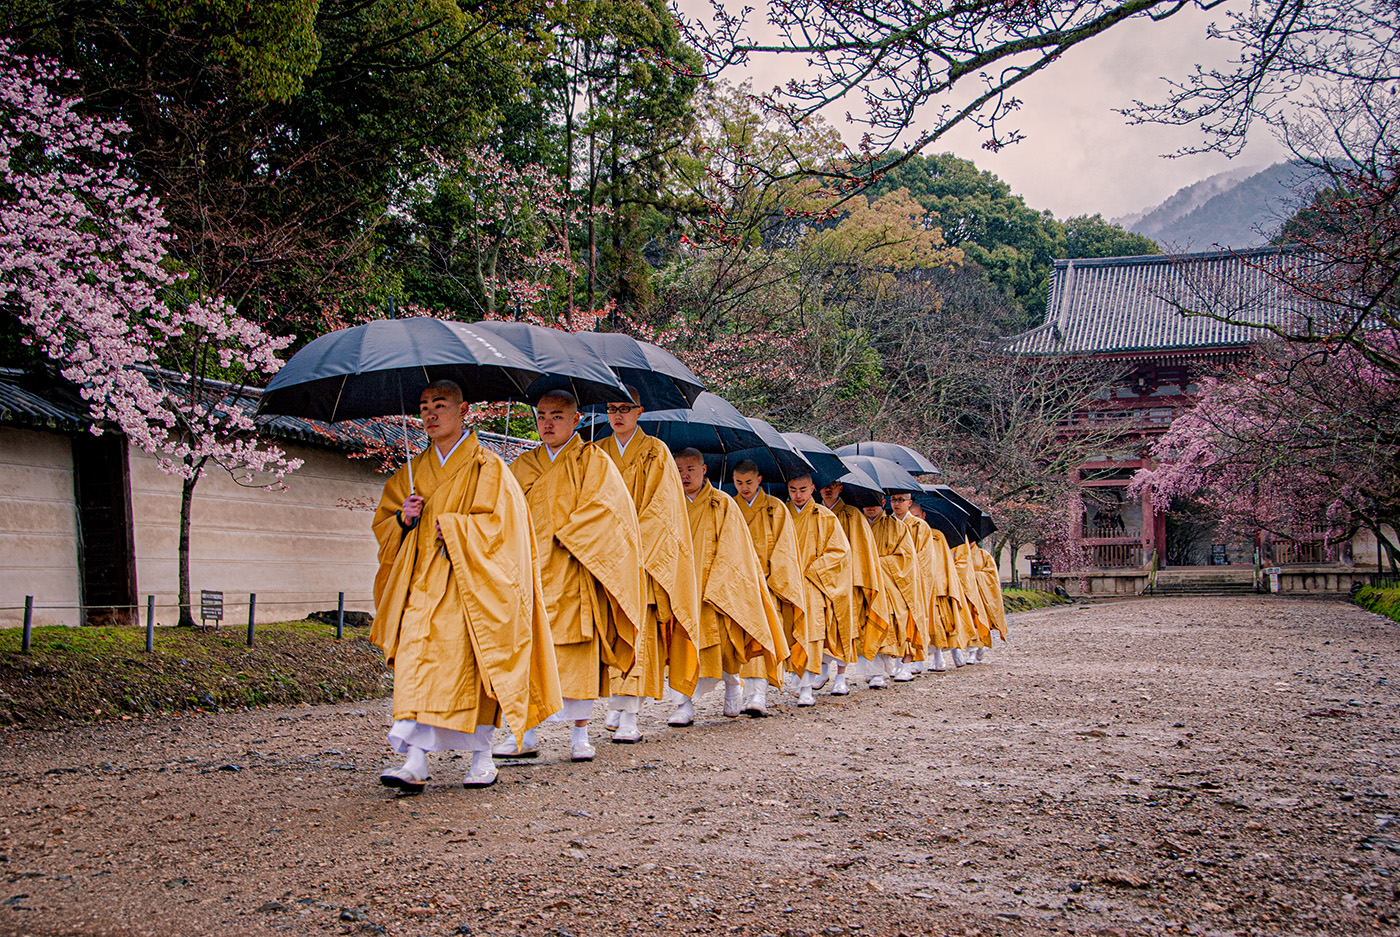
[614,409]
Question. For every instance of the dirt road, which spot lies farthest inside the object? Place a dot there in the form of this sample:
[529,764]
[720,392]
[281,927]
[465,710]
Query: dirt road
[1222,766]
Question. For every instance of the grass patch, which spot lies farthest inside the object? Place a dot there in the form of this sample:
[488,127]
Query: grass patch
[1024,600]
[91,674]
[1381,601]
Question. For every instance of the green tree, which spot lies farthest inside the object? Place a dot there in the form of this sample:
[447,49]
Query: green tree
[1091,236]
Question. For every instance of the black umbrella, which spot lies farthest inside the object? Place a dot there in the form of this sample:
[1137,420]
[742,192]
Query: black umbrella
[888,475]
[942,514]
[711,425]
[563,362]
[380,369]
[980,523]
[662,380]
[911,460]
[776,459]
[827,466]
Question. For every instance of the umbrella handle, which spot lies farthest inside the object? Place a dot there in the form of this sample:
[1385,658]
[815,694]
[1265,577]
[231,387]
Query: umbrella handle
[407,455]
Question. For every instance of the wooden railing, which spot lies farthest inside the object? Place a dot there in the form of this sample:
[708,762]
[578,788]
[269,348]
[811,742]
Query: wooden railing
[1303,551]
[1117,555]
[1101,529]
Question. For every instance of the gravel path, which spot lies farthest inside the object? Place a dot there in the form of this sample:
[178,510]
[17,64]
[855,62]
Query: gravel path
[1204,766]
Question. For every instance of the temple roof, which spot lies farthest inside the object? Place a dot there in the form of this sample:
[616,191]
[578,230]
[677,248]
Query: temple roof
[1135,304]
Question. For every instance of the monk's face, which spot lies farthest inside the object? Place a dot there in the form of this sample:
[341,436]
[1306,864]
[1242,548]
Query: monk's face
[692,475]
[831,494]
[900,504]
[442,415]
[800,491]
[622,417]
[746,483]
[917,510]
[555,421]
[874,511]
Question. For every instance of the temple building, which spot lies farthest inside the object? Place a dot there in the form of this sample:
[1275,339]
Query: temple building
[1126,311]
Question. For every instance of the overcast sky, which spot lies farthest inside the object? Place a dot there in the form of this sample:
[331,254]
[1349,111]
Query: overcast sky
[1079,157]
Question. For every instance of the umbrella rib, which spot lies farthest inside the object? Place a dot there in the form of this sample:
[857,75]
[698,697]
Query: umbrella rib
[336,408]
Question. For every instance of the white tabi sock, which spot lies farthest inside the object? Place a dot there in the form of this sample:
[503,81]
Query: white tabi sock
[481,762]
[417,762]
[579,737]
[528,741]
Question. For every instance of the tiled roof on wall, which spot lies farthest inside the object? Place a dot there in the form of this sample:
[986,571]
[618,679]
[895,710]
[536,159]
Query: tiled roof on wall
[1125,304]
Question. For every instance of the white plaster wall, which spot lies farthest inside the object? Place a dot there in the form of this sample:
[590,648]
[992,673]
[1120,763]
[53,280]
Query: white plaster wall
[38,527]
[295,548]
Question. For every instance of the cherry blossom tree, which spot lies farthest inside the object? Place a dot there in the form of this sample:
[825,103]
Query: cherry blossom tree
[85,269]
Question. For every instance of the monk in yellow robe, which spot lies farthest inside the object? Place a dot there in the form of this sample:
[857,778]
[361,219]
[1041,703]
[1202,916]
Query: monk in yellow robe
[737,620]
[590,551]
[870,613]
[459,612]
[668,571]
[950,600]
[894,543]
[988,578]
[981,614]
[825,555]
[775,541]
[926,617]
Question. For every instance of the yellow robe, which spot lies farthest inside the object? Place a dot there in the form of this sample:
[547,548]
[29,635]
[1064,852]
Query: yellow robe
[989,578]
[825,555]
[926,616]
[737,622]
[870,608]
[950,598]
[899,569]
[668,569]
[590,554]
[976,601]
[467,633]
[775,541]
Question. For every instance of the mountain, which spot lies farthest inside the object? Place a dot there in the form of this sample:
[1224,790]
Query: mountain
[1238,208]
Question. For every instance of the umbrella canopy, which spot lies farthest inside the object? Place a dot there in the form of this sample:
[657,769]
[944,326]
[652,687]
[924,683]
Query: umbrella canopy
[711,425]
[980,523]
[911,460]
[777,460]
[826,464]
[663,382]
[564,362]
[944,515]
[380,368]
[888,475]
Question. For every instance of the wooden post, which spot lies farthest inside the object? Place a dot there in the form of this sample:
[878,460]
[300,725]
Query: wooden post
[340,617]
[150,624]
[28,624]
[252,610]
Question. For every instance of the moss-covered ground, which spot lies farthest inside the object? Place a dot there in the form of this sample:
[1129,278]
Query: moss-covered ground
[95,673]
[1023,600]
[1381,601]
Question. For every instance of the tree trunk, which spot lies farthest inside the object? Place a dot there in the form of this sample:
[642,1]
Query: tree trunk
[186,499]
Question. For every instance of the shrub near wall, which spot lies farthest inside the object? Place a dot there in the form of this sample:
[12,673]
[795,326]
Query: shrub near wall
[1381,601]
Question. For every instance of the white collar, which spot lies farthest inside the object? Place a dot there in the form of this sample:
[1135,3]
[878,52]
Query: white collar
[622,446]
[748,502]
[442,459]
[553,453]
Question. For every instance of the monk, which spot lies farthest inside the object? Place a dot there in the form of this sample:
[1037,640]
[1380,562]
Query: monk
[869,607]
[928,619]
[737,621]
[894,544]
[666,646]
[459,612]
[976,600]
[989,578]
[950,600]
[825,555]
[590,552]
[775,542]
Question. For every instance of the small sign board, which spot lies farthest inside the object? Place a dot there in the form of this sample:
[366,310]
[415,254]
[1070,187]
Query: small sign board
[1273,572]
[211,606]
[1040,569]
